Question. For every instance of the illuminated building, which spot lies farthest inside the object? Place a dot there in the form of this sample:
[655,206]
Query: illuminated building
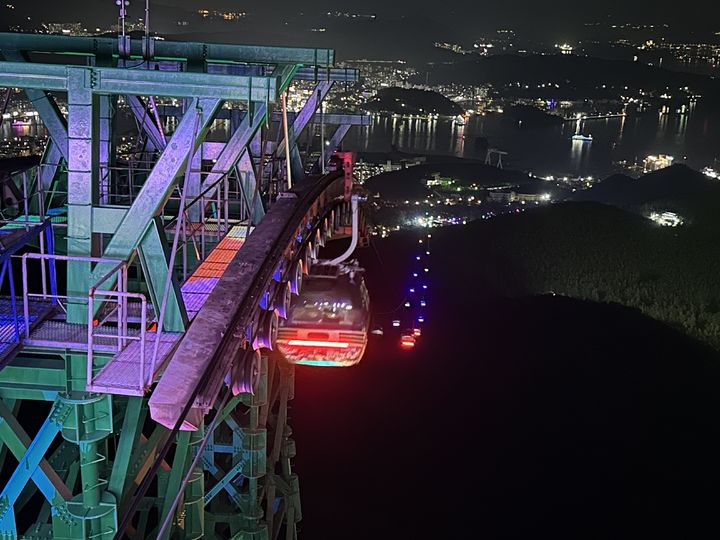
[666,219]
[655,163]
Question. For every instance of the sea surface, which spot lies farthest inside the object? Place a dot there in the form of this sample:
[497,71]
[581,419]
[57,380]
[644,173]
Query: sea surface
[693,138]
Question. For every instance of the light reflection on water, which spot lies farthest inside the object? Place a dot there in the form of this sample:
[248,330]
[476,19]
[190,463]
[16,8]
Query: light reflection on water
[549,149]
[695,135]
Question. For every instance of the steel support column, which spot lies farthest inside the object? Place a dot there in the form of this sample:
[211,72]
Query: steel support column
[83,175]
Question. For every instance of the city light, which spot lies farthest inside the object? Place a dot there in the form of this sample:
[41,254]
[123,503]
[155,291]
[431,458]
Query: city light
[655,163]
[666,219]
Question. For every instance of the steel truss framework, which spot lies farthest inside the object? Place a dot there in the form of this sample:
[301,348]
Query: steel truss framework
[104,466]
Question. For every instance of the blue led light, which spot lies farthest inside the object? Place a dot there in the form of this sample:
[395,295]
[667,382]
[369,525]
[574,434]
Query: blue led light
[414,274]
[412,289]
[421,319]
[422,303]
[424,286]
[417,258]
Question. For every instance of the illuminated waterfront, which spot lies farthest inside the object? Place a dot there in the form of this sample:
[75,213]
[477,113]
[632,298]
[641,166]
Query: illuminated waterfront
[549,149]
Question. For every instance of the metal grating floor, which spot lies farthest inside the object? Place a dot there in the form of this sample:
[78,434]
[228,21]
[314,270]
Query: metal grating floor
[37,310]
[121,375]
[200,284]
[208,228]
[60,334]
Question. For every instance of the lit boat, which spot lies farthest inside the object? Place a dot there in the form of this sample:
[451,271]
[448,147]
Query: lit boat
[328,322]
[582,138]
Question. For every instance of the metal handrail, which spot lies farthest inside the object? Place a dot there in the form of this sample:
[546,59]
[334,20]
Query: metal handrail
[120,267]
[122,337]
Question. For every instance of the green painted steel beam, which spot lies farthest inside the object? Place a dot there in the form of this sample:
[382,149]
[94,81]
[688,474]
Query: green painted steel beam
[102,80]
[169,50]
[107,219]
[302,119]
[46,106]
[49,377]
[156,190]
[144,117]
[237,146]
[328,118]
[83,182]
[179,467]
[129,438]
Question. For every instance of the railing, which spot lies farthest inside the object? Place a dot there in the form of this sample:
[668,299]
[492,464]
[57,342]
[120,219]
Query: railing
[54,296]
[122,335]
[116,306]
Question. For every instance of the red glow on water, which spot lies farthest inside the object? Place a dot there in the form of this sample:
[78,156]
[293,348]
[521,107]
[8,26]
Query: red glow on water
[314,343]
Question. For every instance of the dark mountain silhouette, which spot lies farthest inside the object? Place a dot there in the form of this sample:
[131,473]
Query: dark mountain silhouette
[412,101]
[577,76]
[601,253]
[406,183]
[554,417]
[677,188]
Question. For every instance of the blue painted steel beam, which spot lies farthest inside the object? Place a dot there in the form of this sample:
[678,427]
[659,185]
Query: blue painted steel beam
[18,441]
[26,468]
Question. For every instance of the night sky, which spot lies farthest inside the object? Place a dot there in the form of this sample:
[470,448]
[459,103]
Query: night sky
[463,15]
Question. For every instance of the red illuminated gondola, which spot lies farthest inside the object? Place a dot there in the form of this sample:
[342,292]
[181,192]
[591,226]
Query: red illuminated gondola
[328,322]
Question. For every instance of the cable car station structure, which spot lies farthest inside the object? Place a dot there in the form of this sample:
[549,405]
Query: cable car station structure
[142,285]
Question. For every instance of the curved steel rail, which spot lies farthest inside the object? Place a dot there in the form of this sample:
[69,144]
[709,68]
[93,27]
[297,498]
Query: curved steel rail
[224,330]
[229,319]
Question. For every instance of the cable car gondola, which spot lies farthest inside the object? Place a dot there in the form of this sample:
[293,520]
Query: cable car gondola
[328,322]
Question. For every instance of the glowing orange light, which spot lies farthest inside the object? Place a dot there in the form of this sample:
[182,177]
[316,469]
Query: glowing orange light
[417,332]
[312,343]
[407,344]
